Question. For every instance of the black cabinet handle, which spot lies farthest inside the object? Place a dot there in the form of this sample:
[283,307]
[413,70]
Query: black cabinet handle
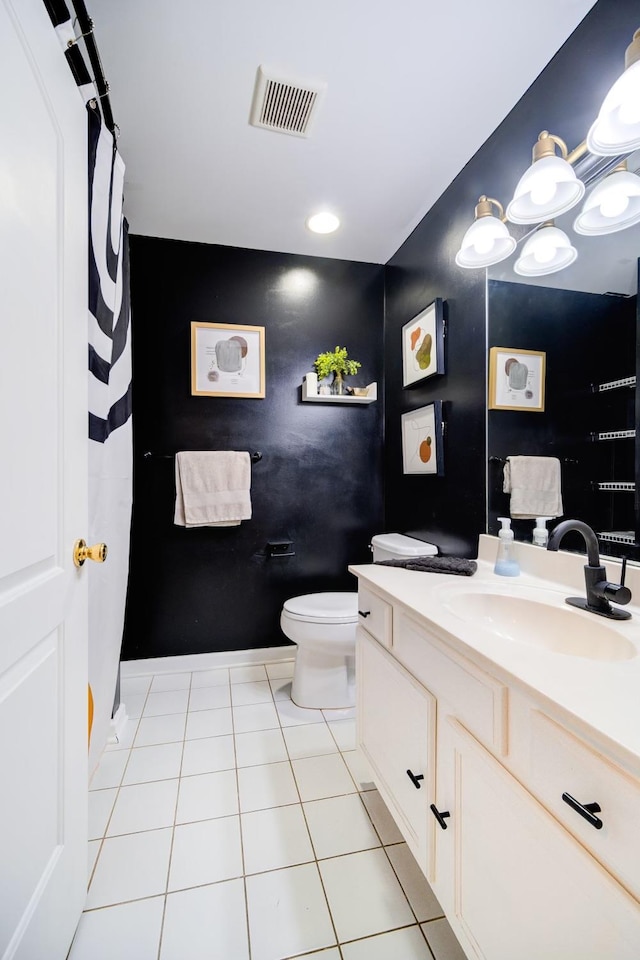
[415,778]
[586,810]
[440,817]
[364,613]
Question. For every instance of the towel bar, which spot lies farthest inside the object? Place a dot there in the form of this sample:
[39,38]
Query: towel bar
[147,455]
[504,460]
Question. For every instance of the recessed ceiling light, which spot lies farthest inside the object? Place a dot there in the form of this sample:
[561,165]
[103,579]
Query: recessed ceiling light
[324,222]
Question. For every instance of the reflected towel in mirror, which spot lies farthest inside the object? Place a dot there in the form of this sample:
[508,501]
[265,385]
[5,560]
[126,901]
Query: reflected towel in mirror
[535,487]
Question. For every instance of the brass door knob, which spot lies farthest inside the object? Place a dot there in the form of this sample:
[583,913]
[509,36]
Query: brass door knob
[82,552]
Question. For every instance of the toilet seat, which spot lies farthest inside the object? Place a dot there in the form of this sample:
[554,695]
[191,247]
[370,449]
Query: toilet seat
[323,608]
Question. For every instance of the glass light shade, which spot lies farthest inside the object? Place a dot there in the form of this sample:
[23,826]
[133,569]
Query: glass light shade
[547,251]
[486,241]
[324,222]
[611,206]
[548,188]
[617,127]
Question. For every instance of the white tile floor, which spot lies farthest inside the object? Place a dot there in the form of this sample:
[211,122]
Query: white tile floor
[229,824]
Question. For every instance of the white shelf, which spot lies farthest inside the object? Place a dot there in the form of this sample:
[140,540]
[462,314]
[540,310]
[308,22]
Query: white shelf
[618,486]
[617,384]
[310,393]
[616,435]
[617,536]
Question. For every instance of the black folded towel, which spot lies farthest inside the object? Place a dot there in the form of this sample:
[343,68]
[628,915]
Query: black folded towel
[456,565]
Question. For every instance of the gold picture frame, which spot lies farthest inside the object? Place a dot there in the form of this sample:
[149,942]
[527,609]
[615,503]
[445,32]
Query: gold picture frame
[516,379]
[227,360]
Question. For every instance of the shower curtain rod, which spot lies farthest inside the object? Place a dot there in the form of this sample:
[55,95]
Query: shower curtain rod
[102,87]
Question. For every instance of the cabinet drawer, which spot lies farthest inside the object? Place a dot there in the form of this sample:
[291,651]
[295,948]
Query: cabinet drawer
[375,615]
[561,763]
[474,697]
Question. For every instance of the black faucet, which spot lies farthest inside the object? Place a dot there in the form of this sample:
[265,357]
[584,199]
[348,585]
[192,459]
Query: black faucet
[599,590]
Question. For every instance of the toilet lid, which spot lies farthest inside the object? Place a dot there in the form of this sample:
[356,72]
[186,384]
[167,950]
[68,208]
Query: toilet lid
[328,607]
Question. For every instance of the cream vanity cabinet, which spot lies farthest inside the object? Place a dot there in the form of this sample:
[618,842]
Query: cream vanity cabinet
[518,870]
[399,743]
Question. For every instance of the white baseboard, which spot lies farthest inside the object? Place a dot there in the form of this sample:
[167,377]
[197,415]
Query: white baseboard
[193,662]
[117,724]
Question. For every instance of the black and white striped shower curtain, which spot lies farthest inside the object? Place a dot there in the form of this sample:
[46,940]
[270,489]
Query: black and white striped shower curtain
[109,305]
[110,436]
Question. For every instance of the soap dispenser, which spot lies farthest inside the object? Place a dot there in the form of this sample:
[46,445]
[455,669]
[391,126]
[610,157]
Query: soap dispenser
[540,532]
[506,565]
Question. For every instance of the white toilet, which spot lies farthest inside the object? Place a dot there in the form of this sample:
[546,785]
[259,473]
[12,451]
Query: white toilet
[324,627]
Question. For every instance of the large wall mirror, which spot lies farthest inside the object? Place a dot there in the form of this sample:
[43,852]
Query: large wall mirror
[584,318]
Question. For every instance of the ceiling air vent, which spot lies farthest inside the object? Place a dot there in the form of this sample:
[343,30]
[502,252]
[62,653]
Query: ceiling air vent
[285,106]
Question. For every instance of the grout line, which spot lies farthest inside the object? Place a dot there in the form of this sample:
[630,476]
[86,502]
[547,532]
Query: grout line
[401,885]
[314,953]
[246,909]
[371,821]
[195,886]
[175,816]
[381,933]
[244,873]
[313,847]
[427,942]
[326,900]
[95,864]
[123,903]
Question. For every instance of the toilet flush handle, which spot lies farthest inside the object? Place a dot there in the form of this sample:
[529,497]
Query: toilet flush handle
[364,613]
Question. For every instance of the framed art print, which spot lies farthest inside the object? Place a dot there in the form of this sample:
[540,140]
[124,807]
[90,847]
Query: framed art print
[516,379]
[423,345]
[227,360]
[422,447]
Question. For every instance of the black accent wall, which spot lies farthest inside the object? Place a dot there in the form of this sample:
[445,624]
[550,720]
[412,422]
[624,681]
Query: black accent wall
[565,99]
[319,483]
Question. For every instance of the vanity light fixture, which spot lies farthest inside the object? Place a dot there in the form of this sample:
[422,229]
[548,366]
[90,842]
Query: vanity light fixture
[617,127]
[487,240]
[323,222]
[548,250]
[549,187]
[614,204]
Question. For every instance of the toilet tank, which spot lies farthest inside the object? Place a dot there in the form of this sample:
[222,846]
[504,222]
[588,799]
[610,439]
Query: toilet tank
[395,546]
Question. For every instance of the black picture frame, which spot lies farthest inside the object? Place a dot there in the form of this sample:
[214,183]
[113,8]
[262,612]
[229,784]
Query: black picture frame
[423,345]
[422,433]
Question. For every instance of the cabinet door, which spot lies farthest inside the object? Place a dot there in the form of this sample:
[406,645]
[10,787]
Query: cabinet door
[520,885]
[396,731]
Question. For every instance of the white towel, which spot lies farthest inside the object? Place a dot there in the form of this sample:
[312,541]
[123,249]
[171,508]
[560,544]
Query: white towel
[535,487]
[212,488]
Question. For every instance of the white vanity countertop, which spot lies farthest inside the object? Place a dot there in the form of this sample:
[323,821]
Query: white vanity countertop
[602,695]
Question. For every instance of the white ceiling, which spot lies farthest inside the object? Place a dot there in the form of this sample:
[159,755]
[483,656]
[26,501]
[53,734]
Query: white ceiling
[414,87]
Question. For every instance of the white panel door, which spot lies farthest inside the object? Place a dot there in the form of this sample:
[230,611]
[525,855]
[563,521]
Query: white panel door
[43,489]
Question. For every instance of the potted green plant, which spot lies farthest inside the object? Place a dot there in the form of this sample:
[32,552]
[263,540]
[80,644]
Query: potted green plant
[338,363]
